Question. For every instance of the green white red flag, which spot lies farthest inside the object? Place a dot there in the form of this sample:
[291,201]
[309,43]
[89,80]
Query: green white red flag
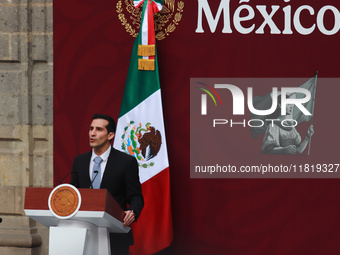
[140,132]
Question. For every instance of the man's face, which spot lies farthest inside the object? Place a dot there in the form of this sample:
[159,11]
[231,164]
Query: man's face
[98,134]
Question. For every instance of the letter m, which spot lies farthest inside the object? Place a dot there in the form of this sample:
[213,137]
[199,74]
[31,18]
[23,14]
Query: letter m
[203,6]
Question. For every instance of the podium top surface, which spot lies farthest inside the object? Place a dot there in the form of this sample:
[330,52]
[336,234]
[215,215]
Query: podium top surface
[92,200]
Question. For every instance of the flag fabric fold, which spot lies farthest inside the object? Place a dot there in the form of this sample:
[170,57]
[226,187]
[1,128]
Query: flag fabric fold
[140,132]
[311,86]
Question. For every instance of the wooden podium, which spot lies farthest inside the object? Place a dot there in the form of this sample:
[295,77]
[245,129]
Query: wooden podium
[86,230]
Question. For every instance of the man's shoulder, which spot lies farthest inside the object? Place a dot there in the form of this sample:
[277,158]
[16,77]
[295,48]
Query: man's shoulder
[83,155]
[122,155]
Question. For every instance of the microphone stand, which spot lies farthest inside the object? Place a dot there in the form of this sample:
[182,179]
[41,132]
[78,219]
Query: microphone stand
[64,177]
[96,173]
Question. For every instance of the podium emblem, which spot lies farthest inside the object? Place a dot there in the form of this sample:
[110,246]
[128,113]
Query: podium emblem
[64,201]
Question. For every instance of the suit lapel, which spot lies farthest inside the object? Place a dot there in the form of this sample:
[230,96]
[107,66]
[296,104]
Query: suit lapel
[108,168]
[86,168]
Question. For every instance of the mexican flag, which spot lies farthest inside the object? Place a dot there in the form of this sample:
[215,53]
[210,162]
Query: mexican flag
[140,132]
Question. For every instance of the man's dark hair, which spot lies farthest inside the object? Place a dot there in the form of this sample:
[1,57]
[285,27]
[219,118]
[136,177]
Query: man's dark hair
[111,127]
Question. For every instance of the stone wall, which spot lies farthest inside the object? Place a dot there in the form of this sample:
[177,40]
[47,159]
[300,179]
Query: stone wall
[26,118]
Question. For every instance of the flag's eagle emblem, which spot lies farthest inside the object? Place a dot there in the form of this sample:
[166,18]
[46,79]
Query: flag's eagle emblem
[142,142]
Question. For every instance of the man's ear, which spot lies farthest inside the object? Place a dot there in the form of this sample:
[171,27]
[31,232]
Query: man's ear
[111,136]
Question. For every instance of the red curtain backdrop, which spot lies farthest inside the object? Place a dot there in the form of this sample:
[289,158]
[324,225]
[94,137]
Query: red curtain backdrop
[211,216]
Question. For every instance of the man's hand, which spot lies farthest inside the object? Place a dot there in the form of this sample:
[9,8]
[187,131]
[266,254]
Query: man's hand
[129,218]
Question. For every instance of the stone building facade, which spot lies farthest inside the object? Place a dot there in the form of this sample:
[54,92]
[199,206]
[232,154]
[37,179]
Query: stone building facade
[26,119]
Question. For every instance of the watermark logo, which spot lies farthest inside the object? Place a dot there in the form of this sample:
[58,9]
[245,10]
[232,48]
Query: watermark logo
[238,100]
[207,90]
[274,115]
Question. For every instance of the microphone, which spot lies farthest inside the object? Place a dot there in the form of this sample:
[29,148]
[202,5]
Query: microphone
[96,173]
[64,177]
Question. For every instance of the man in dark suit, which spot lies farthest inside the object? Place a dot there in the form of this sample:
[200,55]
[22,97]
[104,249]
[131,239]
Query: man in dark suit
[116,171]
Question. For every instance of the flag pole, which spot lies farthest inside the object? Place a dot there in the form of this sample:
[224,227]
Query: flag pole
[310,139]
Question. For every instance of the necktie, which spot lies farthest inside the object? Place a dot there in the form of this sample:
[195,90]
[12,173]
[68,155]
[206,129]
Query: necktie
[96,167]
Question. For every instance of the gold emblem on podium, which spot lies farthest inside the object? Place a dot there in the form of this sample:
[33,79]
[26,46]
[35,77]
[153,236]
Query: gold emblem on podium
[64,201]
